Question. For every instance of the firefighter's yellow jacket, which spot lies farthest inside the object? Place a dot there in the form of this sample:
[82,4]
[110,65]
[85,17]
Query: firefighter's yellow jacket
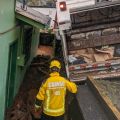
[53,92]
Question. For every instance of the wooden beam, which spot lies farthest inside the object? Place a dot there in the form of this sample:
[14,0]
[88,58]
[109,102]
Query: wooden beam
[29,21]
[98,22]
[93,42]
[94,28]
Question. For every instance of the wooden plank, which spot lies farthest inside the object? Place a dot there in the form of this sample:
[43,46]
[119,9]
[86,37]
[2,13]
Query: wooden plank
[108,75]
[94,28]
[105,101]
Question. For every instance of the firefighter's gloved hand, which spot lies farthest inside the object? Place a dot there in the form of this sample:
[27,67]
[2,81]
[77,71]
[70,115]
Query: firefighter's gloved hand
[37,112]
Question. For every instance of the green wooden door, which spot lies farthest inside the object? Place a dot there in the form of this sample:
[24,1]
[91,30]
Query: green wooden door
[11,74]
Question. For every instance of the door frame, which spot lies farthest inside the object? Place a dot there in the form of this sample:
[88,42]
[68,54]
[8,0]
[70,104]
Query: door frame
[11,72]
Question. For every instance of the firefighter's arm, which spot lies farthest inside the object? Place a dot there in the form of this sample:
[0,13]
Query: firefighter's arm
[38,104]
[37,109]
[72,87]
[40,97]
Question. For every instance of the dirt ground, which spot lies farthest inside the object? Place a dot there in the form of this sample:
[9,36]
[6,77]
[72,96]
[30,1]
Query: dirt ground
[111,88]
[23,105]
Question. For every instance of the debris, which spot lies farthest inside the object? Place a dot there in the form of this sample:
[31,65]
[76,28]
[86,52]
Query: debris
[91,55]
[72,58]
[23,106]
[45,50]
[104,54]
[76,60]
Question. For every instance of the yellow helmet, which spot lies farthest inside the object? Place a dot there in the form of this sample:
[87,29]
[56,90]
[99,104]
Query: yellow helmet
[55,63]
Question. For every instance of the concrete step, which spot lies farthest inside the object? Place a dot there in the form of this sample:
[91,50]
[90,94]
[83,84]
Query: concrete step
[89,104]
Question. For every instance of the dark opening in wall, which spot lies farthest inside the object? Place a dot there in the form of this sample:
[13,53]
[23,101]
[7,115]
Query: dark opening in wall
[103,0]
[27,42]
[46,39]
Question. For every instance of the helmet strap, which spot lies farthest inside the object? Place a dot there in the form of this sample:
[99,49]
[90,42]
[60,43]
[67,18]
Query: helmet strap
[54,69]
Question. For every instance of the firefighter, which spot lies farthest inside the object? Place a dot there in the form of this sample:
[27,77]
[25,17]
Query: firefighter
[51,96]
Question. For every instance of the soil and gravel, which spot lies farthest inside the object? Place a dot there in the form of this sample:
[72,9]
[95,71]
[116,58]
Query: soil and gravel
[23,106]
[111,88]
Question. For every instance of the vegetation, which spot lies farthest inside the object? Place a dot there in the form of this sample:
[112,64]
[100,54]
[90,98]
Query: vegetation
[47,3]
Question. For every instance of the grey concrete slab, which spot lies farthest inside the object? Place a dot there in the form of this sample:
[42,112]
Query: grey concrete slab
[89,104]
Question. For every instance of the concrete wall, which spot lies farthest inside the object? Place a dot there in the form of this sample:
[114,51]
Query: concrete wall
[5,40]
[8,34]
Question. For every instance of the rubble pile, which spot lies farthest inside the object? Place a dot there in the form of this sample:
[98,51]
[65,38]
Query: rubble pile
[45,50]
[90,55]
[23,106]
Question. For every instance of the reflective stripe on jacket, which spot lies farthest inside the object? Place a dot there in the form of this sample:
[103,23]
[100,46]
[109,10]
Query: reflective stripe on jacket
[53,93]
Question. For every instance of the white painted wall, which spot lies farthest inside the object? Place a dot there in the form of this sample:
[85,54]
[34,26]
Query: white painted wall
[51,12]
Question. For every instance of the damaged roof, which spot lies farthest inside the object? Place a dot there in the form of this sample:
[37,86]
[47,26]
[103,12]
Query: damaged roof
[31,14]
